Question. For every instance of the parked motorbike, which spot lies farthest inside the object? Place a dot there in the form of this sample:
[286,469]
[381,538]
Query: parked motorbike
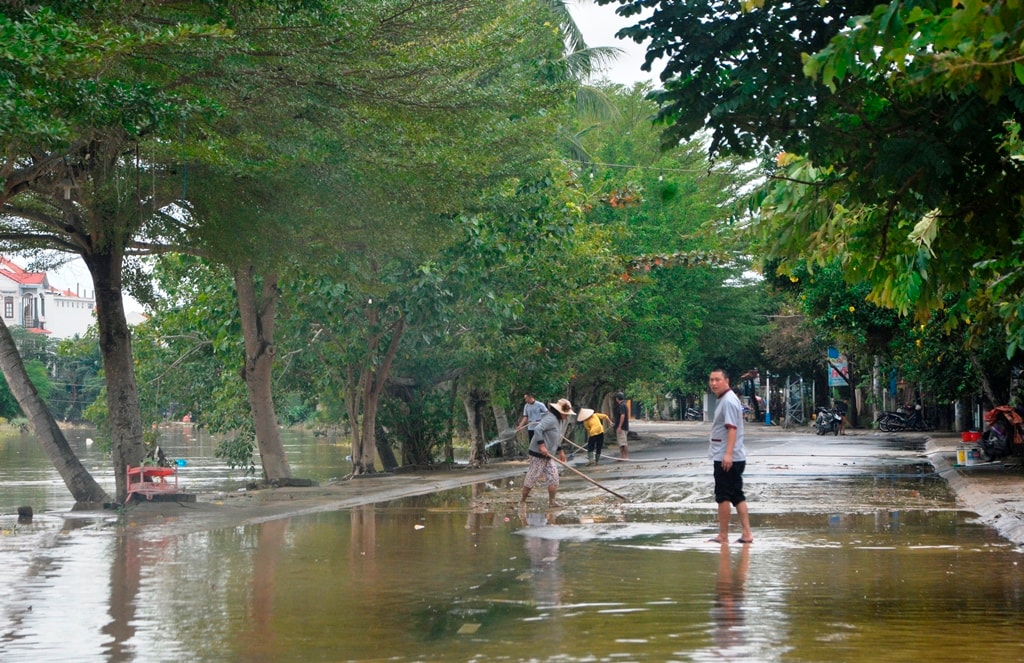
[827,420]
[694,414]
[1005,433]
[900,419]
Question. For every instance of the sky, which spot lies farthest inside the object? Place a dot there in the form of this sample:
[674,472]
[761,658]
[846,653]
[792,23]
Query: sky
[599,23]
[73,276]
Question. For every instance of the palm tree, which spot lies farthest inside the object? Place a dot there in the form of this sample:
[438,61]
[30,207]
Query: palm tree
[579,64]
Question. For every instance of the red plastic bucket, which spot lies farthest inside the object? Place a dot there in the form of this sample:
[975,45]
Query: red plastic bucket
[970,436]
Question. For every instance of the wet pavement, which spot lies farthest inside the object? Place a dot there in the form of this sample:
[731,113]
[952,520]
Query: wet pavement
[992,490]
[867,548]
[668,470]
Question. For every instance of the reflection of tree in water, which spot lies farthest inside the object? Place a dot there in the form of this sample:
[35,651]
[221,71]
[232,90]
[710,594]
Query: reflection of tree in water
[260,640]
[125,579]
[545,571]
[727,611]
[364,537]
[479,515]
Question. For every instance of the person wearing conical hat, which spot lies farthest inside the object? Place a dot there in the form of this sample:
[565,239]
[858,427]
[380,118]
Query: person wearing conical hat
[593,424]
[546,444]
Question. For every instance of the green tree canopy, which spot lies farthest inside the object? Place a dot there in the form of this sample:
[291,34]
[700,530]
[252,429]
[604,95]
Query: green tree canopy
[681,285]
[370,101]
[733,70]
[897,126]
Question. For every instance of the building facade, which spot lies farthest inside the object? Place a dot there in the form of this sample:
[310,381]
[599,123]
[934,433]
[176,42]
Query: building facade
[27,300]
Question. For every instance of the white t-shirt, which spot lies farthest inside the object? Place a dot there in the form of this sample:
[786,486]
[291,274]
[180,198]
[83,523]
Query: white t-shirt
[728,412]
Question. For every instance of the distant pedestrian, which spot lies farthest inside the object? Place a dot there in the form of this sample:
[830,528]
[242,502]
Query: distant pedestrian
[751,380]
[839,405]
[547,443]
[622,425]
[729,456]
[593,424]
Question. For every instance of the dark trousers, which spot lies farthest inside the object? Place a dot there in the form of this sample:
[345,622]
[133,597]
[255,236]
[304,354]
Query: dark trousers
[729,485]
[594,444]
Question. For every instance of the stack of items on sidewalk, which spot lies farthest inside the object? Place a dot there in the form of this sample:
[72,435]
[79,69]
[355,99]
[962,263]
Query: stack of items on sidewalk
[968,452]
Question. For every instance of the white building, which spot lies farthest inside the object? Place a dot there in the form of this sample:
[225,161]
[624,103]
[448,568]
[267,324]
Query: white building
[68,313]
[27,300]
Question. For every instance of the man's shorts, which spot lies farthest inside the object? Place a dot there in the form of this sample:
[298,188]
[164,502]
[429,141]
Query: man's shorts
[729,485]
[620,437]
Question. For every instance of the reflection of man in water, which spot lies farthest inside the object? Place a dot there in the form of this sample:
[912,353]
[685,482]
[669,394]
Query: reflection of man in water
[728,607]
[545,572]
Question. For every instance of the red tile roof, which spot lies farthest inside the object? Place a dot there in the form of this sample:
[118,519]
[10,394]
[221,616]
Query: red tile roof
[64,293]
[19,275]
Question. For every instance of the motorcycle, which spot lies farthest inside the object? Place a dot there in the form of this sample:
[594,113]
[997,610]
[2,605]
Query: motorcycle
[694,414]
[827,420]
[1005,433]
[900,419]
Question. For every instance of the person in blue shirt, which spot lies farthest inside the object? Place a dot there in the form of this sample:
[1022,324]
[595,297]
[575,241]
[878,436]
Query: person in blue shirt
[532,412]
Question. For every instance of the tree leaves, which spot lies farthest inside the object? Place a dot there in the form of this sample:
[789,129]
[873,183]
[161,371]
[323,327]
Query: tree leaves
[897,112]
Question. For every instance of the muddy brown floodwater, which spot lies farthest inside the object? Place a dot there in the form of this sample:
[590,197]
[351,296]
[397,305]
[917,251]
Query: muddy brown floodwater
[860,554]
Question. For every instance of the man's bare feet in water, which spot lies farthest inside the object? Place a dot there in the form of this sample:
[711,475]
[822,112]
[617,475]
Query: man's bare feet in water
[742,539]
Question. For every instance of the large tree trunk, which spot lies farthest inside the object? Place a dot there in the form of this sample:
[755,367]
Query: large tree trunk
[352,409]
[508,443]
[51,438]
[364,451]
[257,315]
[409,429]
[372,380]
[449,447]
[475,401]
[385,452]
[989,392]
[125,417]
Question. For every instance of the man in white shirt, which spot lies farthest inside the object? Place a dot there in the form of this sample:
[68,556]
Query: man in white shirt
[730,458]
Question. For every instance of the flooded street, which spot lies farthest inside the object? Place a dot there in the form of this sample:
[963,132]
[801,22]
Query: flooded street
[860,554]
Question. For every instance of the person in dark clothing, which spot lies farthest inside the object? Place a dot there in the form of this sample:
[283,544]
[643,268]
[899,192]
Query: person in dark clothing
[622,425]
[839,405]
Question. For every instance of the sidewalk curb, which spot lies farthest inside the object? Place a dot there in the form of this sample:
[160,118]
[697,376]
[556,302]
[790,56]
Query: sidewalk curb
[996,497]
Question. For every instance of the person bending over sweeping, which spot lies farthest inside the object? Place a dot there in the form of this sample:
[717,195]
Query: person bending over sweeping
[546,441]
